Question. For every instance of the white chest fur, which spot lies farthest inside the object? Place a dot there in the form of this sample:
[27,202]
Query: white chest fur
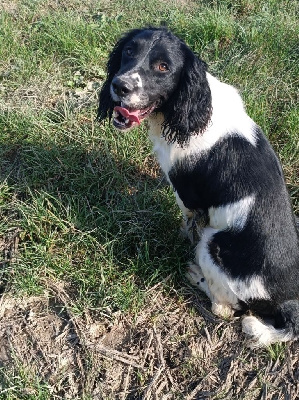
[166,153]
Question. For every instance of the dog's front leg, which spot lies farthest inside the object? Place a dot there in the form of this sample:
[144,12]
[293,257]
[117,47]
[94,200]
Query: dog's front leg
[193,222]
[193,225]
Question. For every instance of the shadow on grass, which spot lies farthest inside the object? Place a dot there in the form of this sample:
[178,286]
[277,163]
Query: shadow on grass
[107,224]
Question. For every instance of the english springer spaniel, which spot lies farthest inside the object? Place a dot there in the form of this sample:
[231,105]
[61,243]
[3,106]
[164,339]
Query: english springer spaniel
[226,178]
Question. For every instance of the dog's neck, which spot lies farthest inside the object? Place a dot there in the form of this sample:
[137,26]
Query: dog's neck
[166,152]
[228,117]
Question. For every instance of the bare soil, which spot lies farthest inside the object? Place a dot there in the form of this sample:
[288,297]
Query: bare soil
[172,349]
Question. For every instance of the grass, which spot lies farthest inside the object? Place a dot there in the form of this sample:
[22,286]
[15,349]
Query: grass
[84,205]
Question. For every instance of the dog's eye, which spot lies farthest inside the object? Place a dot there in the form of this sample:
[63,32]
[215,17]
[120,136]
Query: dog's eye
[163,67]
[129,51]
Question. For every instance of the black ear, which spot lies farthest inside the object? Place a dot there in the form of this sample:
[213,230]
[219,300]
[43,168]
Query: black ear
[106,104]
[188,110]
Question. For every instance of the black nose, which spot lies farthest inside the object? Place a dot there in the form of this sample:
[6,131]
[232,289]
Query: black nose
[121,87]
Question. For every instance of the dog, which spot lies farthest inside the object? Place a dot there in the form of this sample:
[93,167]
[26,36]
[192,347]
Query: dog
[226,177]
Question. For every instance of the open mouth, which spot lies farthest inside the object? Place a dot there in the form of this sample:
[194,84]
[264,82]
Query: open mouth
[126,118]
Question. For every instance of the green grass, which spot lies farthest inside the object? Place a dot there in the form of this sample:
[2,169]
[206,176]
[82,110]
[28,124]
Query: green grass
[88,203]
[22,385]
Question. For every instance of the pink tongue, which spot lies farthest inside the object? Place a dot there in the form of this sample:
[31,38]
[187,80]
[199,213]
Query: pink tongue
[131,115]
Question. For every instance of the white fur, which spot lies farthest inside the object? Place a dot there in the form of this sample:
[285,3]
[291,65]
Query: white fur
[252,288]
[231,216]
[228,117]
[167,153]
[185,211]
[137,78]
[196,277]
[134,99]
[221,305]
[262,334]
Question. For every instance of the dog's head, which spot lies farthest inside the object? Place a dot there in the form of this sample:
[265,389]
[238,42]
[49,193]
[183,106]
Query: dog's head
[152,70]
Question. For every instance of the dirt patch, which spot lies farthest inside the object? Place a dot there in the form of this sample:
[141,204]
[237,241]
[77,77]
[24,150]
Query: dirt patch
[10,7]
[51,97]
[170,350]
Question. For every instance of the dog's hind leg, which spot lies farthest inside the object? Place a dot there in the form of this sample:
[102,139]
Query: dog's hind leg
[196,278]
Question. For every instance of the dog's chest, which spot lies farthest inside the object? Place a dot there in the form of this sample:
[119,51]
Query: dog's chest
[163,155]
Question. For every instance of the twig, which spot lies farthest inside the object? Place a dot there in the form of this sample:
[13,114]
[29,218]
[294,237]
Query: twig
[118,356]
[159,347]
[265,392]
[205,313]
[148,347]
[161,367]
[160,388]
[127,382]
[160,283]
[198,387]
[2,309]
[153,381]
[208,336]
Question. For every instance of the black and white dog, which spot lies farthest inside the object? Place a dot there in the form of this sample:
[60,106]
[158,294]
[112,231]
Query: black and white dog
[227,179]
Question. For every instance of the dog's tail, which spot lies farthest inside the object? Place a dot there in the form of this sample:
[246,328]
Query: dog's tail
[262,334]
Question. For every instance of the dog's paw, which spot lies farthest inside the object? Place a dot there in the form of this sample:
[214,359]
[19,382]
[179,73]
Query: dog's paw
[222,310]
